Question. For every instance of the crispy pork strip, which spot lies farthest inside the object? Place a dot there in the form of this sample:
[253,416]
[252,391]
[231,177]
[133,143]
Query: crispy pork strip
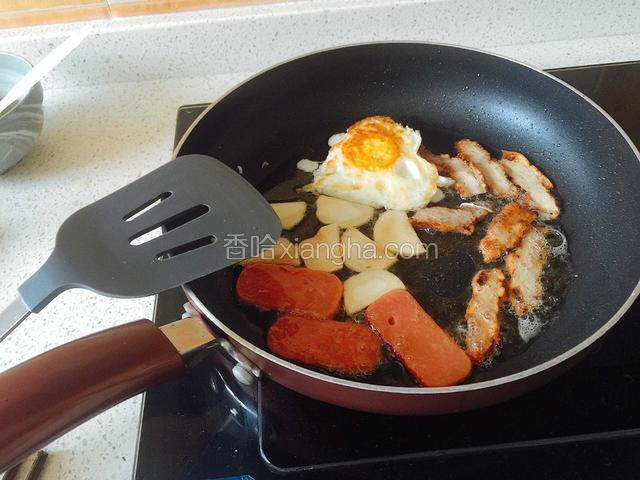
[494,176]
[461,220]
[468,179]
[524,267]
[483,314]
[505,231]
[535,185]
[437,159]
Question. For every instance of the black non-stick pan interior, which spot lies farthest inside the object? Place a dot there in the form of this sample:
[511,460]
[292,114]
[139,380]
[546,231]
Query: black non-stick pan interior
[288,112]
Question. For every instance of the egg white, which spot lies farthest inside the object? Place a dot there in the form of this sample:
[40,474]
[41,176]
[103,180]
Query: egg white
[408,184]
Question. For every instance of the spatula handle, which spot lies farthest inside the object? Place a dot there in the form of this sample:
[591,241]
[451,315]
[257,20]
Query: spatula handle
[49,281]
[52,393]
[12,316]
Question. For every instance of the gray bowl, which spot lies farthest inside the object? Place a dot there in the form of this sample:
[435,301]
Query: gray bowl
[20,124]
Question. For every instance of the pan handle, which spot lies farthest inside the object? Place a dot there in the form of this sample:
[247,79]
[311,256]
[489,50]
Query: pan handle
[52,393]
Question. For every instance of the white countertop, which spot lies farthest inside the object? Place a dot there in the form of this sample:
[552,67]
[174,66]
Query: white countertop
[95,140]
[102,135]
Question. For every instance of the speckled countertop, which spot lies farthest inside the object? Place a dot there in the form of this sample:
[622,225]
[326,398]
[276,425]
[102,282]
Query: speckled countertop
[108,122]
[95,140]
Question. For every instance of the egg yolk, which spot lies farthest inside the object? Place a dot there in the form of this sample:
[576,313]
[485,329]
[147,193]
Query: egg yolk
[373,151]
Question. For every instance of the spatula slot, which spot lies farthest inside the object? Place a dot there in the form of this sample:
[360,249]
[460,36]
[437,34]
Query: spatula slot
[175,221]
[187,247]
[145,207]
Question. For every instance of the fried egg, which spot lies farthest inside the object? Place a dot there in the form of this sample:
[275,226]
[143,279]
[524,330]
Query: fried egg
[376,163]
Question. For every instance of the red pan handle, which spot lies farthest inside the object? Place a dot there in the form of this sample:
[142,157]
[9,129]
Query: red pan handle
[52,393]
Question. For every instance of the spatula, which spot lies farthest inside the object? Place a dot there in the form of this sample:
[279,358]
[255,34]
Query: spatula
[191,217]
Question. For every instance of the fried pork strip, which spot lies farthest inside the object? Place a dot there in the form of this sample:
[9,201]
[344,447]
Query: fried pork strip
[524,267]
[505,231]
[468,179]
[535,185]
[483,313]
[494,176]
[461,220]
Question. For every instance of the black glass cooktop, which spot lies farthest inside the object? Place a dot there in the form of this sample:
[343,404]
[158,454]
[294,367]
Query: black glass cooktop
[585,425]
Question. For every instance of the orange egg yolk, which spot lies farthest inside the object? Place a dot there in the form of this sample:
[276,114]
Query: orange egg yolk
[370,150]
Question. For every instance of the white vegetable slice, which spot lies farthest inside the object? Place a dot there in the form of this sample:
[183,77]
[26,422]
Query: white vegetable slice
[335,138]
[362,254]
[363,289]
[445,182]
[437,196]
[346,214]
[394,232]
[323,251]
[283,252]
[307,165]
[290,213]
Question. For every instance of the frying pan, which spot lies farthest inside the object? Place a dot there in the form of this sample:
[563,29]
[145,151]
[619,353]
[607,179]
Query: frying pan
[287,113]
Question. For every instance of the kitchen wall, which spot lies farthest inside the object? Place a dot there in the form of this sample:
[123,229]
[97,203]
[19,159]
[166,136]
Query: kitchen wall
[21,13]
[249,38]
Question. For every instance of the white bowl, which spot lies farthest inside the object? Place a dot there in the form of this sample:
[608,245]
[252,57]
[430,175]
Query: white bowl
[20,124]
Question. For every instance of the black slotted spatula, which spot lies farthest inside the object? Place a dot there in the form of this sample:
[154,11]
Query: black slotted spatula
[169,227]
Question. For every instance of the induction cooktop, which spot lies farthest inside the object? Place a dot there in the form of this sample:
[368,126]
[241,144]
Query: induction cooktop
[585,425]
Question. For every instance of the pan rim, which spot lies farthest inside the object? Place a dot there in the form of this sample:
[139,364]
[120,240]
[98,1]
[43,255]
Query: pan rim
[532,371]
